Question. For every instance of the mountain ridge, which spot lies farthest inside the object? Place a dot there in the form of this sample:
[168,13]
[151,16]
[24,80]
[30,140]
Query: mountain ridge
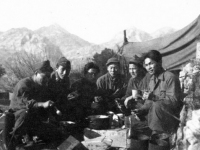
[61,37]
[70,45]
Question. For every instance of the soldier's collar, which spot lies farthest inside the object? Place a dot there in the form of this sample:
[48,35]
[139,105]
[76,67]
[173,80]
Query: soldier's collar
[159,75]
[114,78]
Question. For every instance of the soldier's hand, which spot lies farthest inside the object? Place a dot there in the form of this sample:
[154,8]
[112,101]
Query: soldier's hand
[72,96]
[147,95]
[116,93]
[98,99]
[48,104]
[126,102]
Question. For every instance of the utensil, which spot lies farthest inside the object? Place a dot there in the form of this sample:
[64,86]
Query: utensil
[135,94]
[58,112]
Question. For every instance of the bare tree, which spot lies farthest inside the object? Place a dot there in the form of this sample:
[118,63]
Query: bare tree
[22,64]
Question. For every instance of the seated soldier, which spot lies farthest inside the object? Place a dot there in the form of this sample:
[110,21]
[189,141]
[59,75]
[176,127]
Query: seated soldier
[137,73]
[31,107]
[161,92]
[59,87]
[111,86]
[84,90]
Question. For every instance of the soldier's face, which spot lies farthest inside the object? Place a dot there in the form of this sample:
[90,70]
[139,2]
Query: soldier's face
[133,70]
[92,75]
[151,66]
[113,69]
[63,72]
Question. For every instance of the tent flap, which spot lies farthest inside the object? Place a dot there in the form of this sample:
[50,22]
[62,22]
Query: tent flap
[176,48]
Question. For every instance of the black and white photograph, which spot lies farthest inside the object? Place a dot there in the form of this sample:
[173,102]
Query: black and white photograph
[100,75]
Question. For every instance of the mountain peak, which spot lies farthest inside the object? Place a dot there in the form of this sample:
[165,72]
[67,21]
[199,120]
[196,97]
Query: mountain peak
[52,28]
[59,36]
[163,32]
[55,25]
[133,34]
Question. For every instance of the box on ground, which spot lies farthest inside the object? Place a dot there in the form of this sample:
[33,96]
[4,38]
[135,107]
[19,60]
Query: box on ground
[99,143]
[117,136]
[71,144]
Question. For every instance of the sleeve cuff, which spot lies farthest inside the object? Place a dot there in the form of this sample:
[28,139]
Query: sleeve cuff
[35,105]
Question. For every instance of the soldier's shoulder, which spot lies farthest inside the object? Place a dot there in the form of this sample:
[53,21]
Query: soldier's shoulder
[103,77]
[170,74]
[25,82]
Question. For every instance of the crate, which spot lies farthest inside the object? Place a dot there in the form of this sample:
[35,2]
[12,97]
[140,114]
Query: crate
[118,136]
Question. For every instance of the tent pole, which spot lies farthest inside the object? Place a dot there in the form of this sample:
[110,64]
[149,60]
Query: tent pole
[125,38]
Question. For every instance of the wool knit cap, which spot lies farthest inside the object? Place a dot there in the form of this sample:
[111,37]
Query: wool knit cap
[136,60]
[64,62]
[44,66]
[112,60]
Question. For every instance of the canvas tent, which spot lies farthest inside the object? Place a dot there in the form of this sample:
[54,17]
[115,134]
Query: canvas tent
[176,48]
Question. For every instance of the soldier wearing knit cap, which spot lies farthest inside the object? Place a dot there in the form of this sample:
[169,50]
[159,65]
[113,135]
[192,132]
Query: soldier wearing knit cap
[63,68]
[35,83]
[59,84]
[63,62]
[43,67]
[137,73]
[30,104]
[111,86]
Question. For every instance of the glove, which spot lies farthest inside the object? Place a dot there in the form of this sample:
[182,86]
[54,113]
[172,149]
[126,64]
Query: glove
[98,99]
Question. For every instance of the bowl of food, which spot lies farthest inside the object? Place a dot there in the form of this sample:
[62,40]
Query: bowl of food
[99,122]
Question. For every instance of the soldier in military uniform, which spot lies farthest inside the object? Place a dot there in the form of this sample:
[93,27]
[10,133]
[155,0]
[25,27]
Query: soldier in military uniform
[32,107]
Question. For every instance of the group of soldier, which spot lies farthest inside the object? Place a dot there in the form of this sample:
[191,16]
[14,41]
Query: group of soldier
[37,99]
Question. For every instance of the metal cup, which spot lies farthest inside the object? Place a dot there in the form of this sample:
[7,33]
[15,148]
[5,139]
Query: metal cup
[135,94]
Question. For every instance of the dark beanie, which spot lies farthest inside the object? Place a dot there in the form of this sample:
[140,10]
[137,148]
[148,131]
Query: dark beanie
[63,62]
[43,67]
[154,55]
[112,60]
[136,60]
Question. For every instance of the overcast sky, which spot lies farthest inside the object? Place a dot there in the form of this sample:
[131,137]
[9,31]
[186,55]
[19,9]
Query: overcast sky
[97,21]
